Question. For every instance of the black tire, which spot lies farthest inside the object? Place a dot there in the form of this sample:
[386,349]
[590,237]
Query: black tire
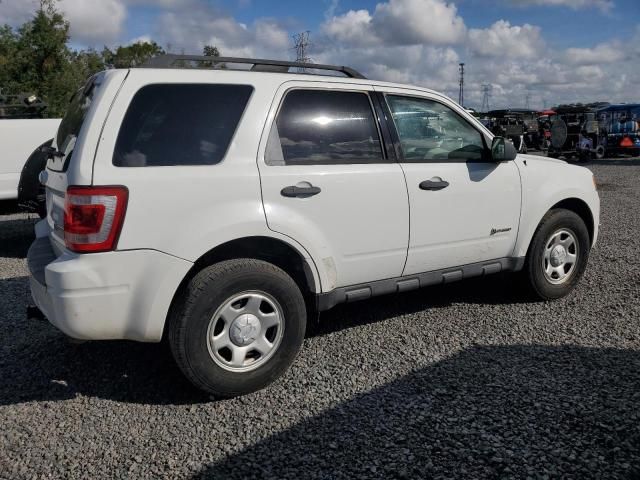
[208,291]
[41,206]
[537,281]
[31,194]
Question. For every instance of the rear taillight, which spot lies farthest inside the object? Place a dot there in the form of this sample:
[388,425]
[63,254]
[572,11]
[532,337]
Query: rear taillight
[93,217]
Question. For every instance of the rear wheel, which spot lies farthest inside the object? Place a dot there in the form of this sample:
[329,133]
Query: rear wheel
[237,327]
[558,254]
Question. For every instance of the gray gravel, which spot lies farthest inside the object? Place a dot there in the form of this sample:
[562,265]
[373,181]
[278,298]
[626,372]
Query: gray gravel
[467,381]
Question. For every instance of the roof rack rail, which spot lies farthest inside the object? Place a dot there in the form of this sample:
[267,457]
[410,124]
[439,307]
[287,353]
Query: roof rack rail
[260,65]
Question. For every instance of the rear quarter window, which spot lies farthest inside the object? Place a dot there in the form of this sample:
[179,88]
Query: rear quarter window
[180,124]
[70,126]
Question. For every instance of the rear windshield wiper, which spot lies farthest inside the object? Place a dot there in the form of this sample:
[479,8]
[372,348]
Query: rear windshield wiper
[51,152]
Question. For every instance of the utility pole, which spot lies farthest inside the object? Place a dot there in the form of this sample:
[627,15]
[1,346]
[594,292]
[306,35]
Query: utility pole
[486,95]
[301,46]
[461,94]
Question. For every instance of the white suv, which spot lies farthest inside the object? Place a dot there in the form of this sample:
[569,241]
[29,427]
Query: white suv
[221,208]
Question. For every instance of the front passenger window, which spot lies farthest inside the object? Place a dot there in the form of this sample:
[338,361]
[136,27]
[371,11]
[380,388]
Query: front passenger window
[431,131]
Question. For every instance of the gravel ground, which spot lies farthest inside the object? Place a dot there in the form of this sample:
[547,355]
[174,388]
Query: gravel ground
[463,381]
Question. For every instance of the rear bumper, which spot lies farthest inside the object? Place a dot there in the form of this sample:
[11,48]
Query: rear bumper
[105,296]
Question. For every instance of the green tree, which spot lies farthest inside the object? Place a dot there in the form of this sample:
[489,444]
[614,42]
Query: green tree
[212,51]
[8,46]
[36,59]
[131,55]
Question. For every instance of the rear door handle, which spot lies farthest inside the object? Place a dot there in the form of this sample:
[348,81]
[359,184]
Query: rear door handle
[300,192]
[433,184]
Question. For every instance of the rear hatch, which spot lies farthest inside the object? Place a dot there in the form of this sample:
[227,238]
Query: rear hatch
[76,143]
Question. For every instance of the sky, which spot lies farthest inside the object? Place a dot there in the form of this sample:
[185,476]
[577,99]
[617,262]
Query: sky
[549,51]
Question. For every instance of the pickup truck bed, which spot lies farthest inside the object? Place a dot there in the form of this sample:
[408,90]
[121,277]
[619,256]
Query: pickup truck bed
[18,139]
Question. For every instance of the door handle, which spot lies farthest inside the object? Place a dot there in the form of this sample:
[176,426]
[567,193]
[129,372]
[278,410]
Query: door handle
[300,192]
[434,184]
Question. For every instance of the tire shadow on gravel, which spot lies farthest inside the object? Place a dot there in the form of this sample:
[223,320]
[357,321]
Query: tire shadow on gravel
[53,369]
[9,207]
[500,289]
[487,412]
[16,236]
[38,363]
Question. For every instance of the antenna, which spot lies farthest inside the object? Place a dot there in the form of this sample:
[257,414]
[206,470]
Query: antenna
[301,46]
[487,88]
[461,94]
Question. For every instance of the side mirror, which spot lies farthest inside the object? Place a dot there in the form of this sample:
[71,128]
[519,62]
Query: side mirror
[502,150]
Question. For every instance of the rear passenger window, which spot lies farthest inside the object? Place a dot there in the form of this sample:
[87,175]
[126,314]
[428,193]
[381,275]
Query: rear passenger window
[180,124]
[324,127]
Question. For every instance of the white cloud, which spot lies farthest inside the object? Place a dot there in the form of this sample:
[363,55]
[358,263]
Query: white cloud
[603,5]
[94,22]
[332,6]
[17,12]
[141,39]
[399,22]
[191,29]
[163,3]
[503,39]
[600,54]
[409,22]
[353,28]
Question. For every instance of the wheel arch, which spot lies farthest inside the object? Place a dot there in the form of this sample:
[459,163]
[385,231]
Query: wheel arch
[302,270]
[29,183]
[573,204]
[580,208]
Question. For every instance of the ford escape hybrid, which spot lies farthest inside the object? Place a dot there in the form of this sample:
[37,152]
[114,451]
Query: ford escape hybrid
[220,208]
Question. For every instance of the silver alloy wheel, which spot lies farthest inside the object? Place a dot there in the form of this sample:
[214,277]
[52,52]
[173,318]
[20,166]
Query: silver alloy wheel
[245,331]
[560,256]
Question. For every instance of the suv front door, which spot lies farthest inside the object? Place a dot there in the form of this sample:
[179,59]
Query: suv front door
[465,208]
[328,184]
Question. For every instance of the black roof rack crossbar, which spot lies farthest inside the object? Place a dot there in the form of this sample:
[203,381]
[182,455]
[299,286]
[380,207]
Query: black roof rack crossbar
[170,60]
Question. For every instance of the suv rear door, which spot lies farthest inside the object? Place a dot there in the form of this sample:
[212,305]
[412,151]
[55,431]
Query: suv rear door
[328,183]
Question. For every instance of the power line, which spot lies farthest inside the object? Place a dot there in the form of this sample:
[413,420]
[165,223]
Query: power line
[461,93]
[301,46]
[487,88]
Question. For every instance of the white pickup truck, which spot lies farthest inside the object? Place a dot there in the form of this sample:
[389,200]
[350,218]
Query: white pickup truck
[19,139]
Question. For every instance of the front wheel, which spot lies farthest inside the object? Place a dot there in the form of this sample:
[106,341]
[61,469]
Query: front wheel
[558,254]
[237,327]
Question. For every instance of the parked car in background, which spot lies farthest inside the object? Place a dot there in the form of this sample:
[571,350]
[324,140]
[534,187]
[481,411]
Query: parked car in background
[23,132]
[222,208]
[544,129]
[509,124]
[575,133]
[620,129]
